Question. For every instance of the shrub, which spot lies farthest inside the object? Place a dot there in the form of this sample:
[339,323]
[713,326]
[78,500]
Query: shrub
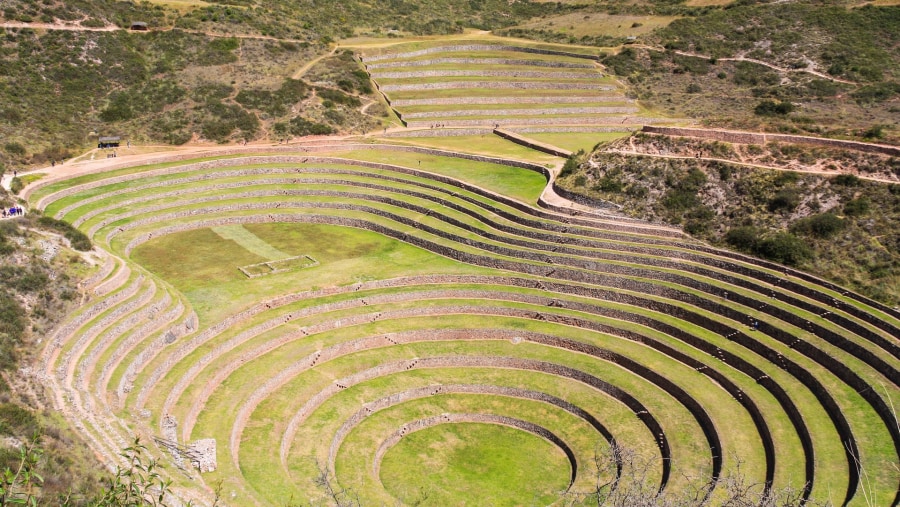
[846,180]
[772,108]
[300,126]
[878,92]
[785,200]
[14,148]
[785,248]
[78,239]
[15,420]
[571,164]
[743,238]
[857,207]
[823,225]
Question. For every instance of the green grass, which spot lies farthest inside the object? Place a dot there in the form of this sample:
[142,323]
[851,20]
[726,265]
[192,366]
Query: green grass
[488,144]
[252,243]
[204,267]
[574,141]
[504,465]
[520,184]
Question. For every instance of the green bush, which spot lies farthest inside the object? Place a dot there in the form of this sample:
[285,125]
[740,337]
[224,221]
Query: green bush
[571,164]
[823,225]
[857,207]
[785,200]
[17,421]
[338,97]
[743,238]
[785,248]
[878,92]
[299,126]
[846,180]
[77,238]
[772,108]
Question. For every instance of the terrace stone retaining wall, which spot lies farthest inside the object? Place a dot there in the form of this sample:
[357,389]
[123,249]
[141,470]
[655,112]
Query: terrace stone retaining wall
[204,451]
[584,200]
[735,281]
[531,143]
[475,47]
[450,101]
[424,392]
[567,250]
[831,364]
[581,120]
[573,128]
[480,61]
[761,138]
[517,112]
[805,290]
[442,132]
[495,85]
[412,74]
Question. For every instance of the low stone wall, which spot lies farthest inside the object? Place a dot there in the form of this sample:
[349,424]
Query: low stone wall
[504,122]
[736,137]
[480,61]
[583,200]
[204,451]
[495,85]
[573,128]
[451,101]
[475,47]
[441,132]
[428,391]
[519,112]
[534,145]
[412,74]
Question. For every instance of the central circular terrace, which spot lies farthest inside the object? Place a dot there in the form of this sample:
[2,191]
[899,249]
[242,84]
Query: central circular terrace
[437,304]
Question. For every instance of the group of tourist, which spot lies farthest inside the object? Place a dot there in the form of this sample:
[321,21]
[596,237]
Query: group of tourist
[13,212]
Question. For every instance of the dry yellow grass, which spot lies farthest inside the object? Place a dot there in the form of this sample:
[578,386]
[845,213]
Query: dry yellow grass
[598,23]
[704,3]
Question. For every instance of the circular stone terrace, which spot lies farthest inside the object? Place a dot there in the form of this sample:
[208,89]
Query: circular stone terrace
[421,336]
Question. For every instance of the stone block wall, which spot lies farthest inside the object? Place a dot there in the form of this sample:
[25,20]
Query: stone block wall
[480,61]
[484,73]
[474,47]
[518,112]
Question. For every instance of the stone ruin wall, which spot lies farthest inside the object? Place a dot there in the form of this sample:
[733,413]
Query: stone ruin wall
[475,47]
[483,73]
[451,101]
[512,112]
[496,85]
[480,61]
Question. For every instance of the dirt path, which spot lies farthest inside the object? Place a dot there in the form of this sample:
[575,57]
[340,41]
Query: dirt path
[752,60]
[303,70]
[755,166]
[60,26]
